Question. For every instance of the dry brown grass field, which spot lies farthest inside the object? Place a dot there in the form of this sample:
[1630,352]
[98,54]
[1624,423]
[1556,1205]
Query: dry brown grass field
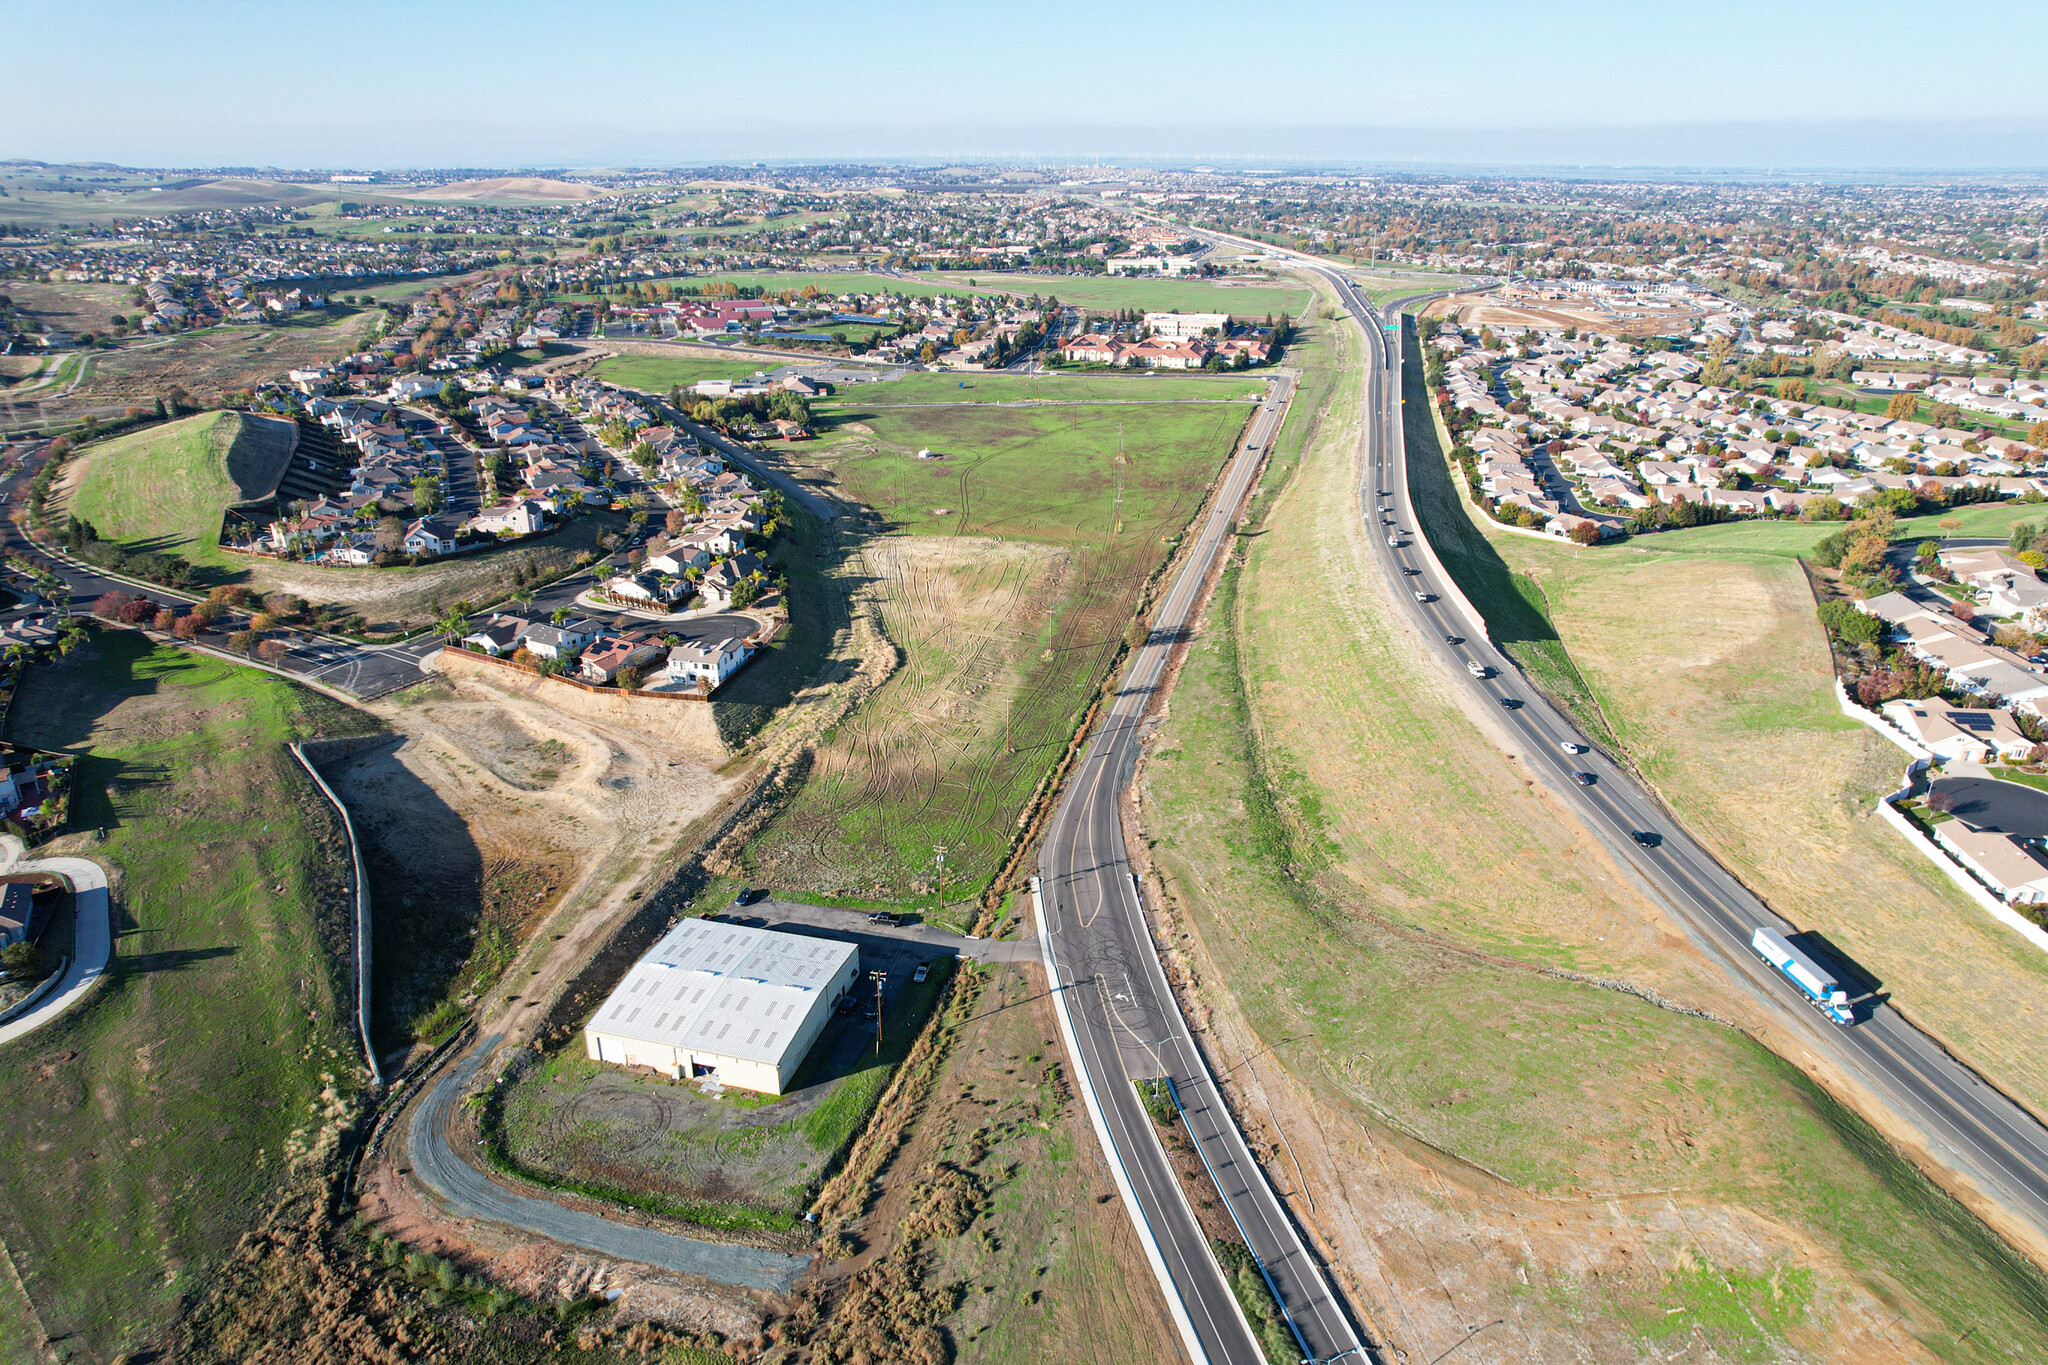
[1714,671]
[1376,914]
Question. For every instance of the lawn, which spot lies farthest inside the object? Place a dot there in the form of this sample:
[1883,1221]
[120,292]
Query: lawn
[159,1121]
[1149,386]
[167,486]
[1006,575]
[658,374]
[1372,883]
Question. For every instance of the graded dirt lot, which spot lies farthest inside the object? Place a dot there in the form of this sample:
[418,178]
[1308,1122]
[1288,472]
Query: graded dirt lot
[1428,987]
[493,809]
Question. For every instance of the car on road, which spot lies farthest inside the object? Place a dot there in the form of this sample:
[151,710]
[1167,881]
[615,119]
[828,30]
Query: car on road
[1394,541]
[924,969]
[1478,670]
[1647,838]
[1570,747]
[1511,703]
[1422,596]
[1454,640]
[1583,779]
[888,919]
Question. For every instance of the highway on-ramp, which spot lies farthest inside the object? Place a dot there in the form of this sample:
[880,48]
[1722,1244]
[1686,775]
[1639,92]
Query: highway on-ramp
[1969,1127]
[1124,1024]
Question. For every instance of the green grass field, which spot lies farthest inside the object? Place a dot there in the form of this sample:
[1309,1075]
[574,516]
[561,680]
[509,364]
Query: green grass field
[1005,574]
[156,1123]
[659,374]
[166,487]
[1146,386]
[1246,300]
[1371,883]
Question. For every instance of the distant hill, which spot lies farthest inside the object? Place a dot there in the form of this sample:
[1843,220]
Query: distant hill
[531,189]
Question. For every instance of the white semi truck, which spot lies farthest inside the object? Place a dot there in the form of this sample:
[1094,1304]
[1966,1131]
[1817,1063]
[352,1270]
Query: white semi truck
[1816,981]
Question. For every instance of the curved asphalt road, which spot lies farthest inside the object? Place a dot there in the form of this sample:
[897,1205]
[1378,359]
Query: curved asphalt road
[1126,1023]
[474,1196]
[1974,1130]
[92,937]
[1988,803]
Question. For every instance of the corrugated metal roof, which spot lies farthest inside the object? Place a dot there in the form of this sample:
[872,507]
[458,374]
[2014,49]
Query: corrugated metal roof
[705,978]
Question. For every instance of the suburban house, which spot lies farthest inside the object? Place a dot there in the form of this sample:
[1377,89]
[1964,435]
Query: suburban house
[557,642]
[709,662]
[2008,865]
[17,905]
[500,635]
[653,588]
[1972,736]
[434,535]
[601,662]
[520,518]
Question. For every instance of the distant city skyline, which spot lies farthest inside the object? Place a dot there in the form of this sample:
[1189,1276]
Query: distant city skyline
[635,82]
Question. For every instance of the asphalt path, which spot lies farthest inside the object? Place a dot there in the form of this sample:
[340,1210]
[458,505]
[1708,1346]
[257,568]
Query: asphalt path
[473,1195]
[1971,1128]
[1126,1024]
[2008,807]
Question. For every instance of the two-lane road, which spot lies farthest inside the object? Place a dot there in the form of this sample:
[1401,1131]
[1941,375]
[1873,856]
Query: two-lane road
[1970,1127]
[1126,1024]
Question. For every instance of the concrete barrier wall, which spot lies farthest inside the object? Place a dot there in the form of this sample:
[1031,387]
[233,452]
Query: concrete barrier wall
[362,914]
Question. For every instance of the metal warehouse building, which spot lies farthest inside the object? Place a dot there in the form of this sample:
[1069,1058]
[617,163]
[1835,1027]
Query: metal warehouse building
[724,1000]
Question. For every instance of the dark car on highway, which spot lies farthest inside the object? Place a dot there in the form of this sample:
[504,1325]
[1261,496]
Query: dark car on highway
[1646,838]
[1583,779]
[1510,703]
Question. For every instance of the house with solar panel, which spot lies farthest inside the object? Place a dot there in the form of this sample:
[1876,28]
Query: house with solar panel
[725,1001]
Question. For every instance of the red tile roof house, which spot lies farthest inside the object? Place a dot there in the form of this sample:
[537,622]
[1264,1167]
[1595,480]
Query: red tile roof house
[602,661]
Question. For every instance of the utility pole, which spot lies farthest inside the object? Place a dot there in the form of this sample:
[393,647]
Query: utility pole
[939,856]
[878,978]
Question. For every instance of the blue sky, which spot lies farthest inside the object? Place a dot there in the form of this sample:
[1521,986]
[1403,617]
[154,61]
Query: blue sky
[613,82]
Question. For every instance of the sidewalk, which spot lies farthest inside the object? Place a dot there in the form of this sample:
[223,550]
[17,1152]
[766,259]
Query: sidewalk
[93,934]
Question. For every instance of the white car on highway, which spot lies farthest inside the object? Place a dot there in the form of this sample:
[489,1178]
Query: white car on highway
[1570,747]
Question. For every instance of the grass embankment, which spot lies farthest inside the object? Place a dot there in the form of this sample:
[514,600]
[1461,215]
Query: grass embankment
[1006,575]
[1152,386]
[166,487]
[1343,838]
[1516,615]
[1715,672]
[157,1122]
[659,374]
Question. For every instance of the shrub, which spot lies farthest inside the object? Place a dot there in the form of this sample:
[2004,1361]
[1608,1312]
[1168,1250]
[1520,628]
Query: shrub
[630,679]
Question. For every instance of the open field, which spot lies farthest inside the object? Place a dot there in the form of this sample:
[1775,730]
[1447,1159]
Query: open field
[1716,676]
[1246,298]
[166,486]
[159,1121]
[1005,575]
[1148,386]
[206,364]
[1374,893]
[655,374]
[73,308]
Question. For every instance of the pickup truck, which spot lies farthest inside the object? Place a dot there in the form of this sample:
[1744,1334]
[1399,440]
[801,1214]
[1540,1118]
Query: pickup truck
[1478,670]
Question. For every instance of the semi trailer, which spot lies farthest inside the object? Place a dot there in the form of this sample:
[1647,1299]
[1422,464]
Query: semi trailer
[1814,981]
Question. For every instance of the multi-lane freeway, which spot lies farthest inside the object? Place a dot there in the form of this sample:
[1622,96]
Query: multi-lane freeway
[1125,1025]
[1969,1126]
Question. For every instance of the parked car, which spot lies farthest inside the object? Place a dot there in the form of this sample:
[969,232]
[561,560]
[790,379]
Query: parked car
[887,918]
[748,895]
[924,969]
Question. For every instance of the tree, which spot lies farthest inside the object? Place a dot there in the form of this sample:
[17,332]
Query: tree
[109,605]
[166,621]
[630,678]
[2037,435]
[189,626]
[1944,414]
[23,961]
[271,652]
[1904,407]
[560,615]
[454,625]
[1793,390]
[1585,533]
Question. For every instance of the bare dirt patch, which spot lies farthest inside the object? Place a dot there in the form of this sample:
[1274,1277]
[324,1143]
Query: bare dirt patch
[477,825]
